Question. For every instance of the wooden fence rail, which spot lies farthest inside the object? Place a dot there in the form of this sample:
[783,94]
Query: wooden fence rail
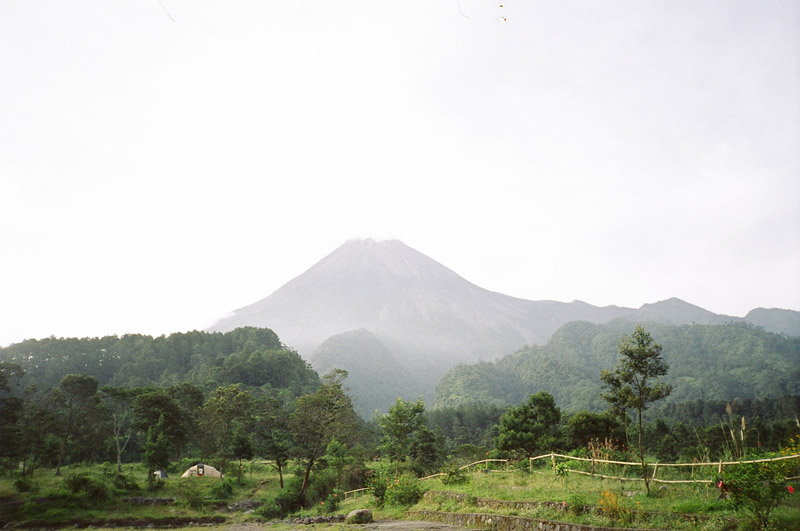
[655,466]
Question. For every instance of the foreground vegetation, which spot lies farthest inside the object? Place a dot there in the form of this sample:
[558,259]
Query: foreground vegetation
[98,495]
[290,442]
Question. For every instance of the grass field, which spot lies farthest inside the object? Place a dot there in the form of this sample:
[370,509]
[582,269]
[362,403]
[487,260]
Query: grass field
[98,496]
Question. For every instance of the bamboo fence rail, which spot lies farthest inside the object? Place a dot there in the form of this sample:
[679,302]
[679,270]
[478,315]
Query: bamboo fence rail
[655,466]
[553,456]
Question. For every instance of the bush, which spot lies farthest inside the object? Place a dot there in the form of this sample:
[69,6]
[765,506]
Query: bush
[612,507]
[286,502]
[330,504]
[87,486]
[576,504]
[124,483]
[25,485]
[757,488]
[222,490]
[454,476]
[377,481]
[405,490]
[191,495]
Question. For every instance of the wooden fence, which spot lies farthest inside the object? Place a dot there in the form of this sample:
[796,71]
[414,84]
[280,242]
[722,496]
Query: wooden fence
[655,466]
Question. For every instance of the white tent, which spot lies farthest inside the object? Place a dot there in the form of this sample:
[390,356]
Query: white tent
[201,470]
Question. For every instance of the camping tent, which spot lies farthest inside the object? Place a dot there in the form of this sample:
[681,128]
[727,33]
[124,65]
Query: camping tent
[201,470]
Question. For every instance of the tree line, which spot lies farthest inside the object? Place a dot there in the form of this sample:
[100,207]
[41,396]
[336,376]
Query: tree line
[270,404]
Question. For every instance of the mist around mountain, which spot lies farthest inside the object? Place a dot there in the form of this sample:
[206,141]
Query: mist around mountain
[423,319]
[707,362]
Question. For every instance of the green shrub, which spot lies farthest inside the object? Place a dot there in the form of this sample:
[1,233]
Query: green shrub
[87,486]
[25,485]
[191,495]
[222,490]
[331,503]
[124,483]
[404,490]
[576,503]
[287,501]
[757,488]
[270,511]
[454,476]
[377,481]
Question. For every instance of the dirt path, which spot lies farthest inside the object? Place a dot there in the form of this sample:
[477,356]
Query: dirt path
[382,525]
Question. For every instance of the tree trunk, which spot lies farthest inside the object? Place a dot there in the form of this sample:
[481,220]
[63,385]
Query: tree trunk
[61,453]
[280,471]
[305,480]
[641,456]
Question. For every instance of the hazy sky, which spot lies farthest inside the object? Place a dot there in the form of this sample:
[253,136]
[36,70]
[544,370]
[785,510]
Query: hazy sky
[156,174]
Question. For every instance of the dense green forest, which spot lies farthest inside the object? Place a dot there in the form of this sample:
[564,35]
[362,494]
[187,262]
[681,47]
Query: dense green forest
[253,357]
[223,397]
[707,362]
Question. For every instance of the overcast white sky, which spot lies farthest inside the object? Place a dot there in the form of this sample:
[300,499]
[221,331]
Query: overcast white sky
[156,174]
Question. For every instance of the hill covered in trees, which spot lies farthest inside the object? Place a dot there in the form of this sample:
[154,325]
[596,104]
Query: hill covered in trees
[707,362]
[254,357]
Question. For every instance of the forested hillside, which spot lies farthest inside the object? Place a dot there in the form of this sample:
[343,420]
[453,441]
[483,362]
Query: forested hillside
[708,362]
[254,357]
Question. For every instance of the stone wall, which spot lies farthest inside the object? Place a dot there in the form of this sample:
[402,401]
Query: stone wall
[434,496]
[499,522]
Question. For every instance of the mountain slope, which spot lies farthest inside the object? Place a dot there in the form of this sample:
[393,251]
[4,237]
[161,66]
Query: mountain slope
[428,319]
[720,362]
[375,377]
[423,308]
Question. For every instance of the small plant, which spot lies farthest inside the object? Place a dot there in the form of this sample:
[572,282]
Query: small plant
[454,476]
[330,504]
[377,483]
[757,488]
[560,471]
[87,486]
[222,490]
[576,503]
[191,495]
[404,490]
[25,485]
[612,507]
[124,483]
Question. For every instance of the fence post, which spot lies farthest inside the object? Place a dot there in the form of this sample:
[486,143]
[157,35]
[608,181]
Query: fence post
[719,470]
[655,470]
[593,466]
[553,459]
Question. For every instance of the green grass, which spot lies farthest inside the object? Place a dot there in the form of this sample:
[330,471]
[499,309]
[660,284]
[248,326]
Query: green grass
[206,497]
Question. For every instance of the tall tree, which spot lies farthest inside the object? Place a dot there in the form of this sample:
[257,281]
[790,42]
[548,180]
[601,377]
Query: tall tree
[320,417]
[400,427]
[531,427]
[272,435]
[119,402]
[634,383]
[79,397]
[11,410]
[164,423]
[221,414]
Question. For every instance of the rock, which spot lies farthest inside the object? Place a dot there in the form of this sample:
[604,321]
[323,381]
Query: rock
[359,516]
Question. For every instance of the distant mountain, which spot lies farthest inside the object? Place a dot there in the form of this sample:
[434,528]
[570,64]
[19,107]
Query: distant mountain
[707,362]
[426,317]
[375,378]
[775,320]
[411,302]
[676,311]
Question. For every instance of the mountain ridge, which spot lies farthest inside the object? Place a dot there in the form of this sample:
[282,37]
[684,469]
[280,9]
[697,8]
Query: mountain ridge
[429,318]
